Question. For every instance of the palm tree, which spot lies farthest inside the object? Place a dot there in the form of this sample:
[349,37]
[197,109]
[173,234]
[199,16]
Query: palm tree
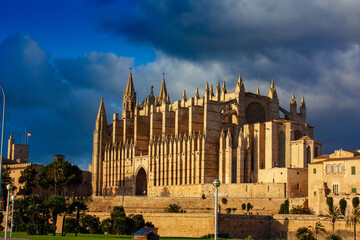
[333,237]
[319,228]
[353,219]
[334,214]
[304,233]
[78,205]
[57,174]
[56,205]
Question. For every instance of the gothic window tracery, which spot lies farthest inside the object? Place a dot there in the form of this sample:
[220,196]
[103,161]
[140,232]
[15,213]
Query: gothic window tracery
[255,113]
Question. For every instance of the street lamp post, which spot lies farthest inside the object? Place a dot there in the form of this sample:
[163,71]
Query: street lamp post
[2,134]
[13,197]
[216,184]
[9,188]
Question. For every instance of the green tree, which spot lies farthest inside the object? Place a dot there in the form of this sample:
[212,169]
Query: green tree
[56,205]
[118,211]
[70,225]
[5,180]
[343,205]
[334,214]
[31,215]
[60,175]
[78,205]
[90,224]
[27,177]
[353,219]
[304,233]
[300,209]
[106,226]
[355,202]
[333,237]
[319,228]
[173,208]
[123,225]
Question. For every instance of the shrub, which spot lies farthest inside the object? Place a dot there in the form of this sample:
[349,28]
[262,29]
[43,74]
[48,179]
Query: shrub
[228,210]
[355,202]
[224,200]
[139,222]
[343,205]
[106,226]
[123,225]
[117,211]
[243,206]
[70,225]
[203,197]
[299,209]
[249,207]
[90,224]
[333,237]
[286,206]
[329,202]
[282,209]
[173,208]
[1,220]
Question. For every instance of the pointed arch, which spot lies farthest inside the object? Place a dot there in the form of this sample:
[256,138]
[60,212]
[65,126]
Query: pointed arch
[141,182]
[308,155]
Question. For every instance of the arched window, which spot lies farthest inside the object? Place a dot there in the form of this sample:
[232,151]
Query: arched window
[281,149]
[308,155]
[234,172]
[335,168]
[341,168]
[255,113]
[328,168]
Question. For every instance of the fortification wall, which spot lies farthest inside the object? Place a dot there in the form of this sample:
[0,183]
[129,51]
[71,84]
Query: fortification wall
[137,204]
[240,190]
[237,225]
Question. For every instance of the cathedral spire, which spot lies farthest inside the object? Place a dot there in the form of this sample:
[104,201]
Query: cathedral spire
[184,96]
[240,85]
[129,96]
[293,100]
[163,95]
[211,90]
[101,120]
[223,87]
[130,90]
[272,91]
[302,104]
[197,93]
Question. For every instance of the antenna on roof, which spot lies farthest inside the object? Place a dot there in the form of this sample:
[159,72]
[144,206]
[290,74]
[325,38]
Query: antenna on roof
[258,82]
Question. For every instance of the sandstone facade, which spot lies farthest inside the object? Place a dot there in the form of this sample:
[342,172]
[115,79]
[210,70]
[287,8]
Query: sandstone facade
[159,148]
[335,175]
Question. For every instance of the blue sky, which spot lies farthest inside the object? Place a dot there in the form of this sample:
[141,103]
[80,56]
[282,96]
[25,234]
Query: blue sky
[57,58]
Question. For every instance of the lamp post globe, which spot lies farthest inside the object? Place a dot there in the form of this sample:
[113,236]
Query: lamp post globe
[9,187]
[216,183]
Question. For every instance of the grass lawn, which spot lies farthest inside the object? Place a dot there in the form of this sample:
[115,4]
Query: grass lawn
[80,236]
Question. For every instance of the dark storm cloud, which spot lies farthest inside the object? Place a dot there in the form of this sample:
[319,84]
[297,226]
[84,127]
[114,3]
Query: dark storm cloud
[57,103]
[226,29]
[27,75]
